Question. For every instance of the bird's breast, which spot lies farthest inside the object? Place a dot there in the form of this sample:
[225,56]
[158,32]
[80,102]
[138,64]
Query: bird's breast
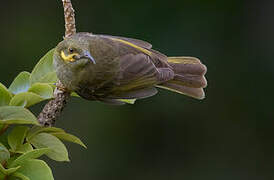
[96,80]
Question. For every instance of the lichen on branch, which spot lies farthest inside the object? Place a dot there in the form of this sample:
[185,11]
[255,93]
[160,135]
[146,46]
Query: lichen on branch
[69,18]
[53,109]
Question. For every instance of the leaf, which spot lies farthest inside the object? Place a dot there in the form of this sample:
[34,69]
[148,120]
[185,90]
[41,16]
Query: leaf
[4,153]
[8,171]
[58,149]
[24,148]
[35,169]
[69,137]
[20,83]
[43,71]
[2,169]
[2,176]
[36,153]
[38,129]
[25,99]
[37,93]
[49,78]
[128,101]
[12,158]
[4,138]
[42,89]
[16,137]
[5,95]
[16,115]
[17,175]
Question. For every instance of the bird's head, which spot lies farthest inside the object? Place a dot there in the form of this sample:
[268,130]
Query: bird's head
[74,50]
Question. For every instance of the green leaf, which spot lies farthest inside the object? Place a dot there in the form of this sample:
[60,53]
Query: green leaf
[5,95]
[12,170]
[17,175]
[16,137]
[2,176]
[8,171]
[69,137]
[16,115]
[24,148]
[35,169]
[4,153]
[42,89]
[2,169]
[128,101]
[58,149]
[37,93]
[20,83]
[36,153]
[43,71]
[4,138]
[49,78]
[38,129]
[25,99]
[12,158]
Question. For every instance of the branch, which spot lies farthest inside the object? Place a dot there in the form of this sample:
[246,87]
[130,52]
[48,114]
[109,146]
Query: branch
[69,18]
[54,108]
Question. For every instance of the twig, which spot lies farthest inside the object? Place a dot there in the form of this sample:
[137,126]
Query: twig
[4,128]
[54,108]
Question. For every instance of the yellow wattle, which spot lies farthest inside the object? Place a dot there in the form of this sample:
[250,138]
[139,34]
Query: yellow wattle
[68,57]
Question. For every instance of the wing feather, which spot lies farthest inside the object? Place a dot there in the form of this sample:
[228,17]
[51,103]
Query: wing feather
[136,77]
[158,59]
[136,42]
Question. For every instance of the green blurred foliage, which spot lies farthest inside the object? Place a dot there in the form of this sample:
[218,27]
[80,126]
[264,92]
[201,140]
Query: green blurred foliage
[18,158]
[226,136]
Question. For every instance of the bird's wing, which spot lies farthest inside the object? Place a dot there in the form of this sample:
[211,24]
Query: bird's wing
[136,77]
[138,46]
[136,42]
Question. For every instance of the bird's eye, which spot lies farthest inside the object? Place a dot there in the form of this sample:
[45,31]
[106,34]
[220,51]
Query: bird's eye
[71,50]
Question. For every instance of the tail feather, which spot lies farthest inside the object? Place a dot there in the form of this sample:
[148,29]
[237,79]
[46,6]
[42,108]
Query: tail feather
[189,77]
[190,80]
[187,65]
[197,93]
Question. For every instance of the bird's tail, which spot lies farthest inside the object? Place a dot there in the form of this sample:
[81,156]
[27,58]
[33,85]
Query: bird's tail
[189,77]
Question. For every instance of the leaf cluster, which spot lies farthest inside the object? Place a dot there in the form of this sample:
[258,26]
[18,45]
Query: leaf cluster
[22,139]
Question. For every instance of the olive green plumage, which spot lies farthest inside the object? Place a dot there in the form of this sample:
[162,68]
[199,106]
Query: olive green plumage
[109,68]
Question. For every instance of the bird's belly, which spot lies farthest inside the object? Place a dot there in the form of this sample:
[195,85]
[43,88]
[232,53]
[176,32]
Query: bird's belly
[95,83]
[92,91]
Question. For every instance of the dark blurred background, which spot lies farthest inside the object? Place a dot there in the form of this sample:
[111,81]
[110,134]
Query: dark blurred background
[229,135]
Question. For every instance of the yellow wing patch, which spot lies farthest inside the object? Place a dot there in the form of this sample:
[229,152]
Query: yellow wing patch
[184,60]
[69,57]
[147,52]
[128,101]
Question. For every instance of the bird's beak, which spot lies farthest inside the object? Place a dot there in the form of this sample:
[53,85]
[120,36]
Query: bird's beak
[87,55]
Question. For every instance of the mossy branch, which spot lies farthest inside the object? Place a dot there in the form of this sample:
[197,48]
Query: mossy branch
[54,108]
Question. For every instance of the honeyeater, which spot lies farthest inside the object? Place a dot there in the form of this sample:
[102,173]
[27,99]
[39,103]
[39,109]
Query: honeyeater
[111,68]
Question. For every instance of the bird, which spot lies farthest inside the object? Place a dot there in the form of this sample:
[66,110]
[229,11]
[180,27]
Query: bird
[112,69]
